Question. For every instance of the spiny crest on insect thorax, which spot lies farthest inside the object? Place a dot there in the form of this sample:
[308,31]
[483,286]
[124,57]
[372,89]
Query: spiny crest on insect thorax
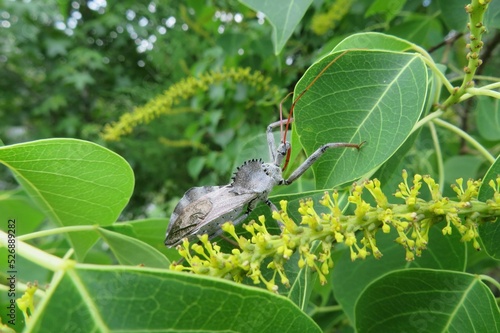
[255,176]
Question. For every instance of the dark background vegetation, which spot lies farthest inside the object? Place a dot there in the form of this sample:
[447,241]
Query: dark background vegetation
[67,68]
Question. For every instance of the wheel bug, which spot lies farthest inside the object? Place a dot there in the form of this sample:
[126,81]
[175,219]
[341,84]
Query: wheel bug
[202,210]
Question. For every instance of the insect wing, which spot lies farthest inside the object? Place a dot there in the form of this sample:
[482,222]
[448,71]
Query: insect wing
[226,206]
[203,210]
[189,211]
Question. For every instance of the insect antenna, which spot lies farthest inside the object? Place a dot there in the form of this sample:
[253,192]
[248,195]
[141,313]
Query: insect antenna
[283,135]
[290,115]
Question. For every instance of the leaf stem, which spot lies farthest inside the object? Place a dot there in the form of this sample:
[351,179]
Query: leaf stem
[490,280]
[34,254]
[479,92]
[439,155]
[487,78]
[430,117]
[439,74]
[325,309]
[486,154]
[57,231]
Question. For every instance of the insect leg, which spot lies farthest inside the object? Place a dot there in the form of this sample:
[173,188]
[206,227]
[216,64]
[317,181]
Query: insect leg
[314,156]
[270,137]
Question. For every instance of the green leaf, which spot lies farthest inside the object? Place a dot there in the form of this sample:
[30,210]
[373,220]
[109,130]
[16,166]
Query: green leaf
[490,231]
[349,278]
[283,17]
[79,80]
[130,251]
[57,46]
[64,8]
[421,29]
[302,284]
[52,103]
[403,157]
[390,8]
[492,16]
[114,299]
[150,231]
[231,42]
[455,16]
[255,147]
[364,95]
[74,182]
[15,205]
[195,165]
[488,118]
[374,41]
[395,165]
[461,166]
[427,301]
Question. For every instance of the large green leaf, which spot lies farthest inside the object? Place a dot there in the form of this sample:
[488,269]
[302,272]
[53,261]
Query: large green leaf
[363,95]
[114,299]
[469,166]
[490,231]
[421,300]
[374,41]
[492,15]
[455,17]
[74,182]
[488,117]
[388,8]
[283,17]
[422,29]
[351,278]
[102,298]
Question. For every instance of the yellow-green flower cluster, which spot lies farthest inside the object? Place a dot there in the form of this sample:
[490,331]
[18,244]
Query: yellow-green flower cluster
[208,259]
[182,144]
[324,22]
[411,221]
[183,90]
[25,303]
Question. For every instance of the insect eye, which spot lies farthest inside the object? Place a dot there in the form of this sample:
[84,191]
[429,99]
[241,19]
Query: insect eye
[285,148]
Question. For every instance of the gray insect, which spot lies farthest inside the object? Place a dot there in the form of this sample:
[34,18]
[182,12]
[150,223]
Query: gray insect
[202,210]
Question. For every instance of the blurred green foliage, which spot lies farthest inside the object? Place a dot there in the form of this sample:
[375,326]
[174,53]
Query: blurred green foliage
[70,67]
